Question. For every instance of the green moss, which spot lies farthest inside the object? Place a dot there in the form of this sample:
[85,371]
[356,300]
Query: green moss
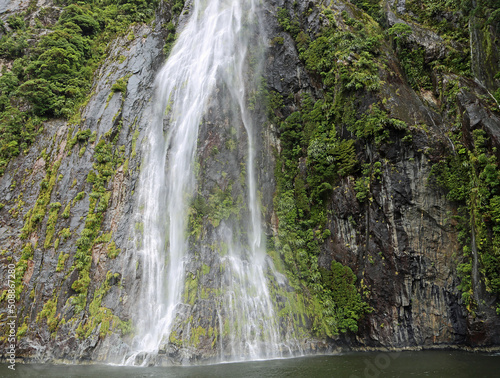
[190,289]
[106,162]
[177,6]
[21,331]
[112,251]
[51,223]
[61,261]
[82,283]
[102,316]
[81,136]
[174,340]
[65,233]
[277,41]
[371,173]
[104,238]
[79,197]
[196,334]
[170,39]
[21,266]
[288,23]
[205,269]
[125,166]
[49,313]
[134,143]
[139,227]
[221,206]
[197,213]
[39,210]
[66,212]
[226,328]
[121,84]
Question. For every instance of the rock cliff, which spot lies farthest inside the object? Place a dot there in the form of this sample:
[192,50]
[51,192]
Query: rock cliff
[407,91]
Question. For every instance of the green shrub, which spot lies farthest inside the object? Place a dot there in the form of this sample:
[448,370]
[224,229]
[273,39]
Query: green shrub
[16,22]
[51,76]
[120,85]
[348,306]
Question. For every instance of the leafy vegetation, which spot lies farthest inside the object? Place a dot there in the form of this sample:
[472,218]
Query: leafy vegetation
[471,178]
[300,203]
[372,7]
[346,56]
[347,61]
[51,76]
[436,14]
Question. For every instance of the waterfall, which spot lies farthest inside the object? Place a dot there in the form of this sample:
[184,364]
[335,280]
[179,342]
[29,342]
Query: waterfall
[211,52]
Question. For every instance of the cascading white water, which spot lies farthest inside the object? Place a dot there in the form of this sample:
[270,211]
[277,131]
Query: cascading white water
[212,48]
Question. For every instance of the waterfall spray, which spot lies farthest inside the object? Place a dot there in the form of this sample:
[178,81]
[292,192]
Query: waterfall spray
[211,49]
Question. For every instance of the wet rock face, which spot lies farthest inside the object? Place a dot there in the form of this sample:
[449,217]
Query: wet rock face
[402,243]
[485,53]
[117,116]
[410,266]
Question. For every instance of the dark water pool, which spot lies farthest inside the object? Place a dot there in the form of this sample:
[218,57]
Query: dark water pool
[450,364]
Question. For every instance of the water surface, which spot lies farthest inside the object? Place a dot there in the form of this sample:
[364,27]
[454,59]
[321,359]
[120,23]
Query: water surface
[445,364]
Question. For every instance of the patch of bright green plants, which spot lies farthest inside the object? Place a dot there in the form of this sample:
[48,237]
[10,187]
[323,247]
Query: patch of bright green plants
[52,74]
[102,316]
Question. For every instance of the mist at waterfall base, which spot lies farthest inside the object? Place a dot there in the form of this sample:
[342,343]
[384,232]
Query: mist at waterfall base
[205,84]
[445,364]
